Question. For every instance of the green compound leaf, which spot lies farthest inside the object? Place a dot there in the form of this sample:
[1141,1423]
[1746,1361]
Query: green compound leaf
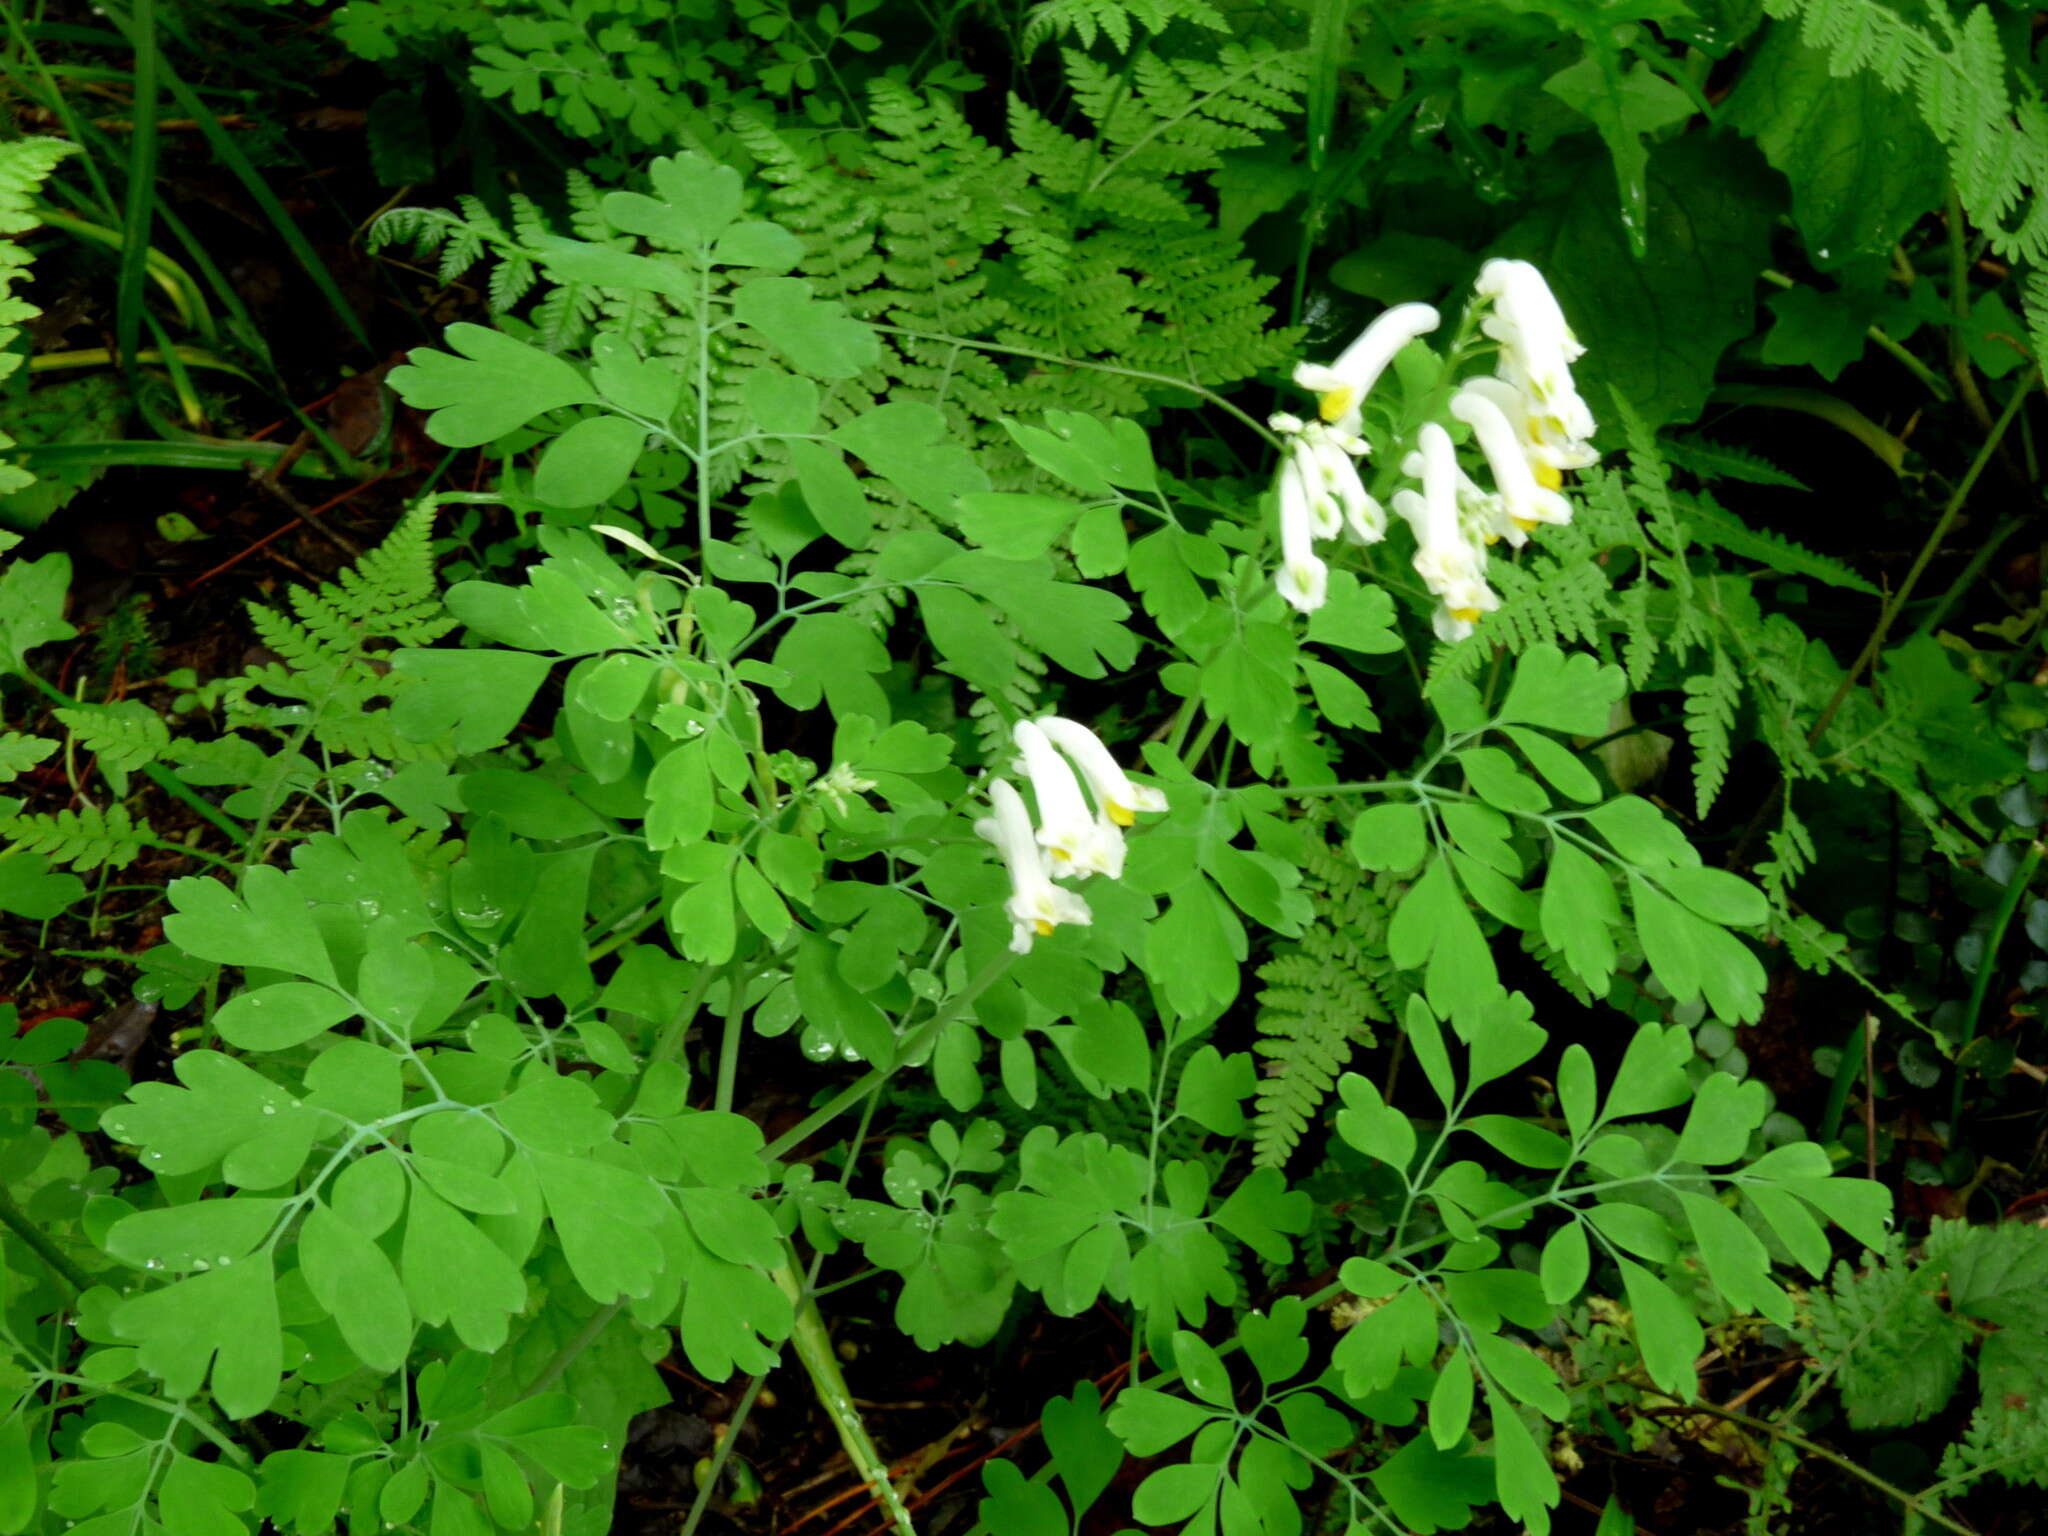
[1429,1490]
[1450,1401]
[30,889]
[1736,1258]
[222,1109]
[1201,1369]
[32,594]
[1571,694]
[1724,1113]
[816,336]
[648,387]
[472,699]
[1092,455]
[279,1017]
[695,200]
[225,1319]
[1667,1330]
[1566,772]
[1567,1261]
[758,243]
[587,464]
[1522,1478]
[270,925]
[1013,525]
[1497,781]
[454,1274]
[496,385]
[1372,1125]
[200,1236]
[353,1279]
[302,1491]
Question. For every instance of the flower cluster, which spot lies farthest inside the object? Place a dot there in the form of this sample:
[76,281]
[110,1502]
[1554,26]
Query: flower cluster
[1073,839]
[1527,420]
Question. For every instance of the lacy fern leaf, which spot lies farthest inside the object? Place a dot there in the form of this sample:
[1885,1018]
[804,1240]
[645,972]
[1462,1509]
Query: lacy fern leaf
[329,675]
[86,839]
[1322,995]
[1710,700]
[1117,21]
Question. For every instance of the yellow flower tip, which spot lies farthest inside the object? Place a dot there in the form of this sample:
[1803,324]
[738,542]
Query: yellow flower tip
[1494,538]
[1525,523]
[1044,928]
[1334,404]
[1549,476]
[1122,815]
[1465,615]
[1062,854]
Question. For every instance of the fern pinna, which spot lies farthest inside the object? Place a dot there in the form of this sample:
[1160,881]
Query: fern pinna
[1323,993]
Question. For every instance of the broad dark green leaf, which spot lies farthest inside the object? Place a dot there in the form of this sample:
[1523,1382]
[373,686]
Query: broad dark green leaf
[1862,164]
[1655,328]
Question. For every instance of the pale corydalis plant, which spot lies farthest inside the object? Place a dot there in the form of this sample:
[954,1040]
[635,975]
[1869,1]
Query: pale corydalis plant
[1073,839]
[1527,420]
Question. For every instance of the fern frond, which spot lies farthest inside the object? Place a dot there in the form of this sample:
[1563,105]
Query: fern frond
[389,594]
[19,753]
[1711,461]
[2035,304]
[1115,20]
[25,164]
[329,676]
[122,736]
[1710,701]
[86,839]
[1710,525]
[1321,997]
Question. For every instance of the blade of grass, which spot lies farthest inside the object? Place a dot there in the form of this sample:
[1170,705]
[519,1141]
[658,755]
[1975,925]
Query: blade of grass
[230,155]
[139,204]
[181,378]
[144,453]
[103,357]
[176,283]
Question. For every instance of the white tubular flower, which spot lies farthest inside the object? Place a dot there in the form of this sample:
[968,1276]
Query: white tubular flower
[1537,349]
[1304,462]
[1549,448]
[1524,500]
[1459,607]
[1483,515]
[1076,842]
[1303,579]
[1342,386]
[1036,906]
[1338,499]
[1448,558]
[1116,797]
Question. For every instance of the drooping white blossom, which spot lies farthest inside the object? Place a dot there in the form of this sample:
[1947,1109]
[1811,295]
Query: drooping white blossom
[1450,557]
[1537,349]
[1523,501]
[1341,387]
[1544,445]
[1338,499]
[1077,842]
[1116,797]
[1036,906]
[1303,579]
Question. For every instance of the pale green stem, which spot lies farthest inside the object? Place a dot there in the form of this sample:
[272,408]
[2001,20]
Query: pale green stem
[814,1348]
